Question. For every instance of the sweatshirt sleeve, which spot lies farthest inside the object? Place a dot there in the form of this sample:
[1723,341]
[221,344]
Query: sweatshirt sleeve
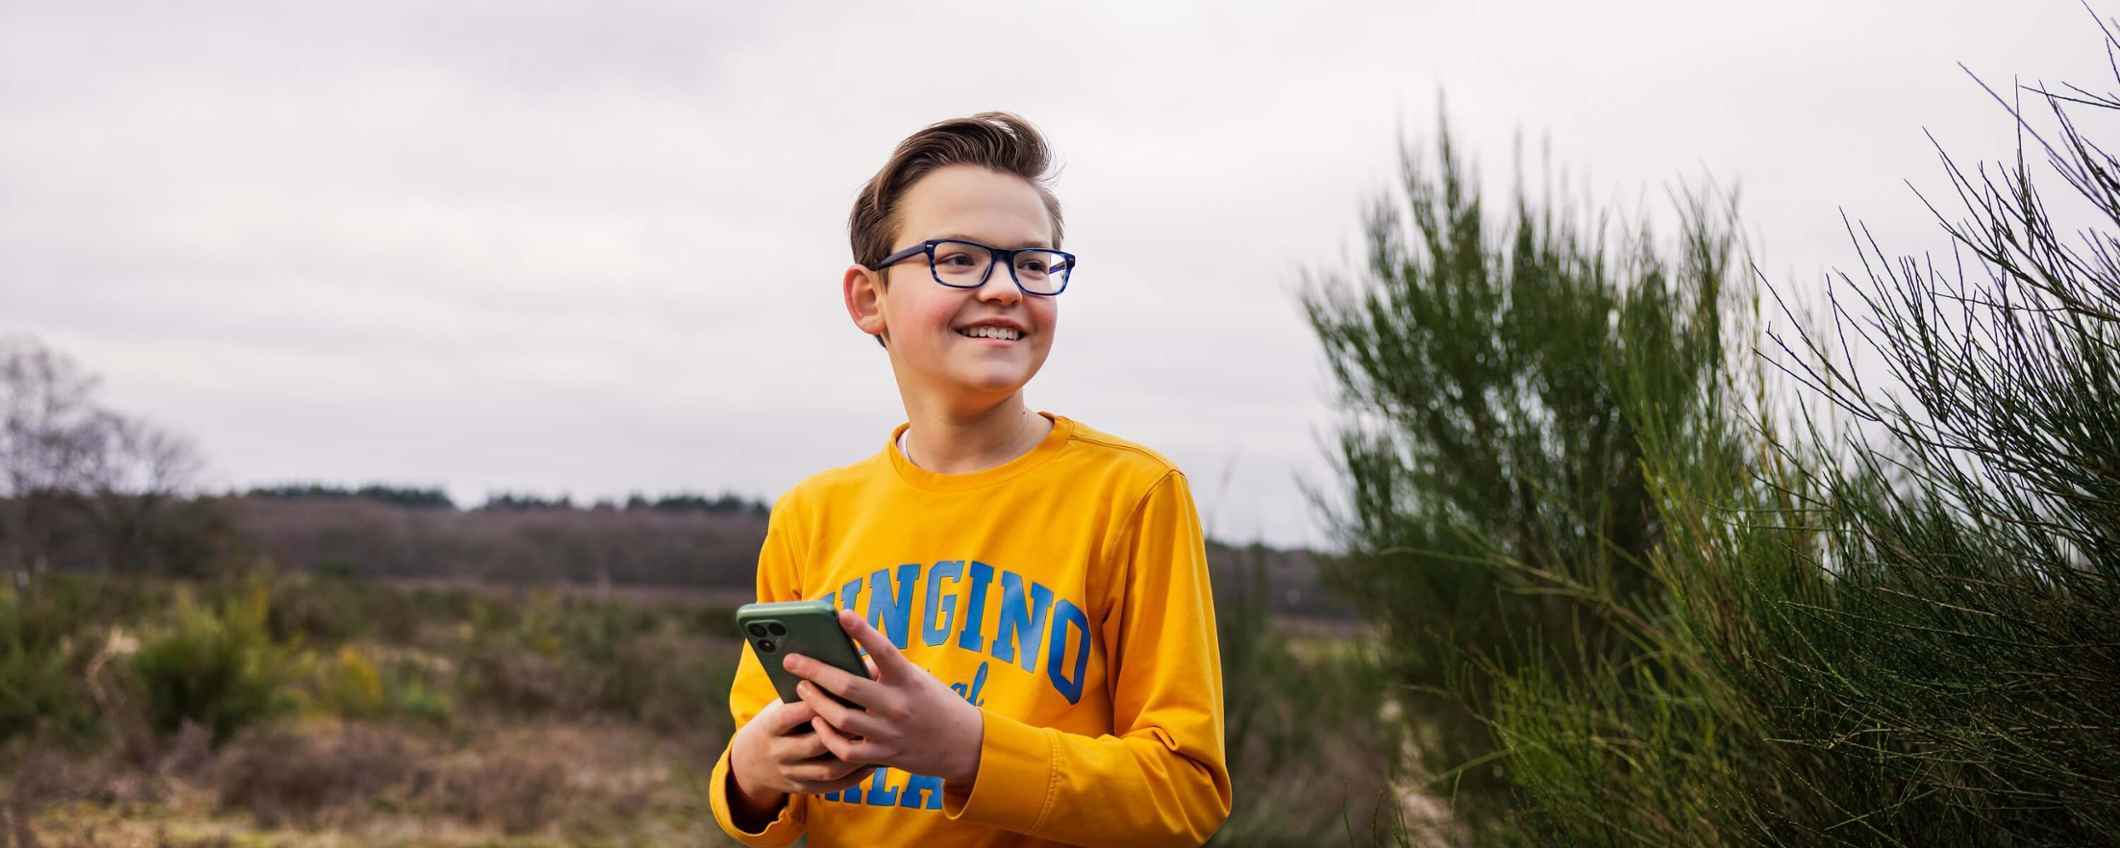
[778,580]
[1162,779]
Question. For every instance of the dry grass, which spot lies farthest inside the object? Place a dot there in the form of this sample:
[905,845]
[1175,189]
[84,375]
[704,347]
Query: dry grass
[330,783]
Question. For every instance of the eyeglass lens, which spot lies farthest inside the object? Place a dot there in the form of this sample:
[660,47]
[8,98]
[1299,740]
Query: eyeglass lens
[965,264]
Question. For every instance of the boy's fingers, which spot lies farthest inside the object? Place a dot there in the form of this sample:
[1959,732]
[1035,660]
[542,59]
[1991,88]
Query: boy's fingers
[812,770]
[801,746]
[842,747]
[838,769]
[839,715]
[834,680]
[786,716]
[871,663]
[823,770]
[882,653]
[823,787]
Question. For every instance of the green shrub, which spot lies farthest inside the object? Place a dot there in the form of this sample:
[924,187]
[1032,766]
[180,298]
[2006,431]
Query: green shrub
[350,685]
[1496,512]
[354,683]
[216,668]
[1897,634]
[50,630]
[39,688]
[411,694]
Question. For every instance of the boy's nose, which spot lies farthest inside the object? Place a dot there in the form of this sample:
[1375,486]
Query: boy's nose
[1000,286]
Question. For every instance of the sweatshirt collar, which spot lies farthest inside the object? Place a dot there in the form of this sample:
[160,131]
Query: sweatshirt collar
[921,478]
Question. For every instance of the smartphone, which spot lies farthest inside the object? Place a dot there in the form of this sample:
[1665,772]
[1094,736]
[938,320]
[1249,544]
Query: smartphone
[809,628]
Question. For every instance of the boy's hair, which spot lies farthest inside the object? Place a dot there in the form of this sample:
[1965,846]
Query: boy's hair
[998,141]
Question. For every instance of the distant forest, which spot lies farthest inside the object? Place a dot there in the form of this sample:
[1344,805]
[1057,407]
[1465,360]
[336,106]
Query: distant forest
[435,498]
[679,540]
[394,532]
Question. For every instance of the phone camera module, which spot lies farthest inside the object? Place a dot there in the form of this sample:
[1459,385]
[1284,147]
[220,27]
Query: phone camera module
[757,630]
[775,628]
[765,645]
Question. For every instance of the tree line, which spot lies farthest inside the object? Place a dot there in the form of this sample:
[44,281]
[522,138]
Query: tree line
[417,497]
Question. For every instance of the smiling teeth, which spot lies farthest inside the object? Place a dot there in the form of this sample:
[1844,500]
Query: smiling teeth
[991,333]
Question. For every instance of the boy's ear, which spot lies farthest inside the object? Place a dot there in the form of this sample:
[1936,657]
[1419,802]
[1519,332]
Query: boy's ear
[864,289]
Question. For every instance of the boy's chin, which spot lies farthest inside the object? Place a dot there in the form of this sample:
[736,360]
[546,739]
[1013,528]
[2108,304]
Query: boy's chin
[988,380]
[991,384]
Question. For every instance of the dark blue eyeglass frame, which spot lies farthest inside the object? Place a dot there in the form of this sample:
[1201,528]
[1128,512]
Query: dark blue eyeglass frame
[1065,268]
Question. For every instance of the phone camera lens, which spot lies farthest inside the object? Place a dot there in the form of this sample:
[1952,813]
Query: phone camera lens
[758,630]
[765,645]
[776,629]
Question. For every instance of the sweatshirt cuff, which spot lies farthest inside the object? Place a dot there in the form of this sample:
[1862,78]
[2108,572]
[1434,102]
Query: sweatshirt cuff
[1014,786]
[782,830]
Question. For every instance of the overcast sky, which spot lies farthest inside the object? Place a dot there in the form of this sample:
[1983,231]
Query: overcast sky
[595,247]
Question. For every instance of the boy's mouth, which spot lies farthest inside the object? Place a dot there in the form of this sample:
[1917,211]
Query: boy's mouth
[996,334]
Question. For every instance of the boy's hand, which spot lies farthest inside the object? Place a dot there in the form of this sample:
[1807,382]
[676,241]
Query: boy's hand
[771,758]
[910,721]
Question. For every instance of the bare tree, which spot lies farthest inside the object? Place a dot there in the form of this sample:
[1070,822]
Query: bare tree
[132,476]
[47,400]
[64,455]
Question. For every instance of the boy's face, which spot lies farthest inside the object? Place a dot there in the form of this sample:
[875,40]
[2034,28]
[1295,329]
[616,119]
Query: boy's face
[923,320]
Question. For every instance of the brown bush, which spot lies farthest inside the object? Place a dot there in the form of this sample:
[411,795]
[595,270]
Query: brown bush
[518,795]
[39,773]
[524,682]
[283,776]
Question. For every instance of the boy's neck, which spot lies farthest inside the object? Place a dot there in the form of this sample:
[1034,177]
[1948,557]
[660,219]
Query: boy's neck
[948,443]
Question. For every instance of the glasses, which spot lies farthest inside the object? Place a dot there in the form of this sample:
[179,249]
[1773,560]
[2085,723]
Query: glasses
[966,265]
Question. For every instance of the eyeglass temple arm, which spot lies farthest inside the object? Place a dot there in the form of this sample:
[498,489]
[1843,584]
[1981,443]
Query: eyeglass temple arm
[901,256]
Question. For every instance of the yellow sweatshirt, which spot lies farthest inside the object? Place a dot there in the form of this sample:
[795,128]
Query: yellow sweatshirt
[1065,593]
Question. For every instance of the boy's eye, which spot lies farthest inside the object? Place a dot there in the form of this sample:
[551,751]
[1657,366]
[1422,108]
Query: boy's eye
[956,260]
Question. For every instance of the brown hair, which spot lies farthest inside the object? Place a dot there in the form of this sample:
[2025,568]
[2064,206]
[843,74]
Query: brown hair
[999,141]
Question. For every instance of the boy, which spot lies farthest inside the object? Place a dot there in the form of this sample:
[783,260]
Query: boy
[1032,594]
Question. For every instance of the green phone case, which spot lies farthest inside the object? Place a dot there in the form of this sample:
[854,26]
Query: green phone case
[809,628]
